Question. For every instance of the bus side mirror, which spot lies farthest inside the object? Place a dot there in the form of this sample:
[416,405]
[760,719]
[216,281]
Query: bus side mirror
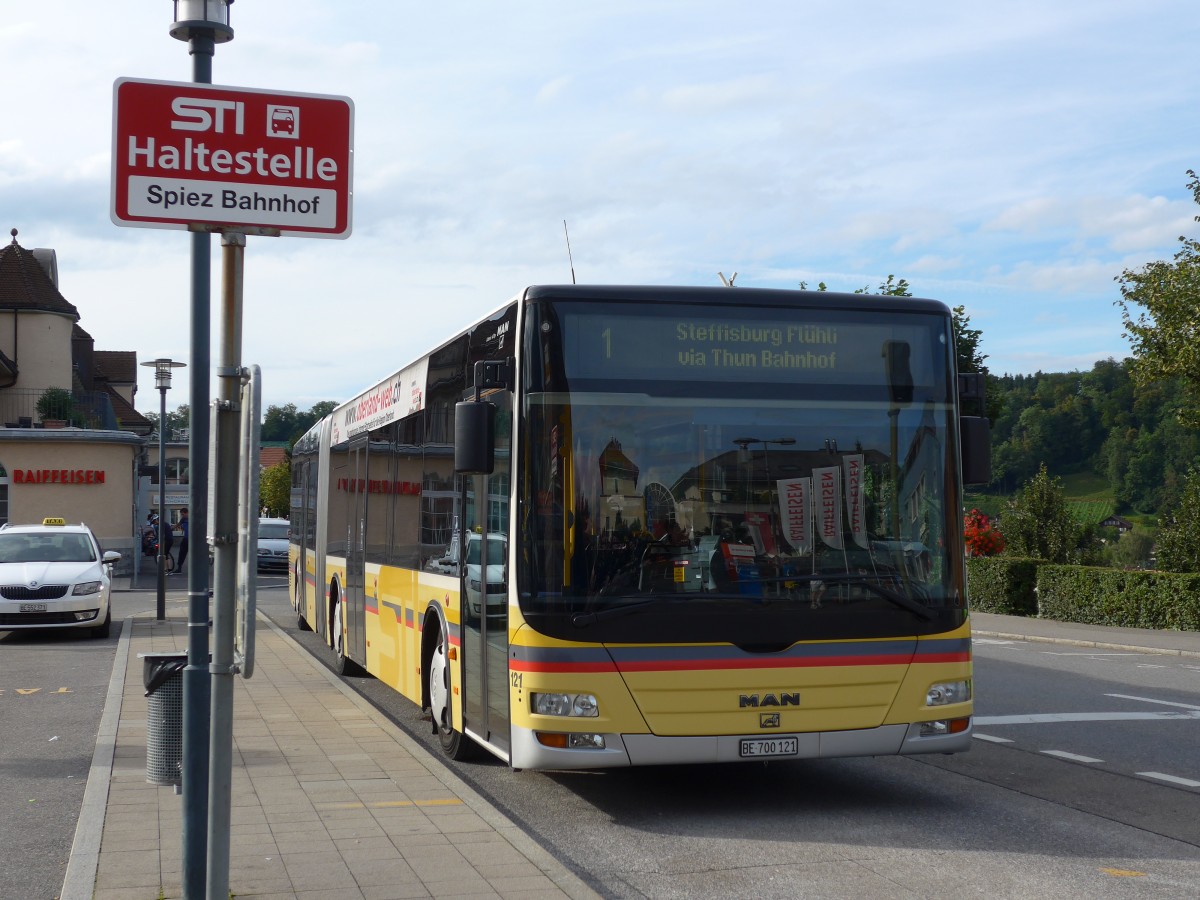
[899,371]
[975,442]
[474,437]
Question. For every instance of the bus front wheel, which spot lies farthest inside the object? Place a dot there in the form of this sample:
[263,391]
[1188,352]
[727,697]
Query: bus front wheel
[453,743]
[342,663]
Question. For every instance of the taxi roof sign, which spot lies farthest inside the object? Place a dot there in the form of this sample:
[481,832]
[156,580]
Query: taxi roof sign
[54,520]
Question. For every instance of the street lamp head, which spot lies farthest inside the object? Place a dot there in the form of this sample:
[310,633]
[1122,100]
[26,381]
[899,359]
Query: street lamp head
[162,371]
[197,18]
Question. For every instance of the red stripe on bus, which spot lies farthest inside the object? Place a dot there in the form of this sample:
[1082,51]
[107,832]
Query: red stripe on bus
[522,665]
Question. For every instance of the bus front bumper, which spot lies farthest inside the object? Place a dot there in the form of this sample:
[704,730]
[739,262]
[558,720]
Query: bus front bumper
[649,749]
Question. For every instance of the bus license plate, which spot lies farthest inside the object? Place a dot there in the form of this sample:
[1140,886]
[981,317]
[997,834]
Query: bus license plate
[763,747]
[33,607]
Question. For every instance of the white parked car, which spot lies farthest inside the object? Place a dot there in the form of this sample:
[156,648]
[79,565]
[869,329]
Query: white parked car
[273,538]
[497,568]
[54,575]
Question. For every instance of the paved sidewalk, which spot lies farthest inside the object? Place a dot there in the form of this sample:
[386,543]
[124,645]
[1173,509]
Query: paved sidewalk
[1173,643]
[329,798]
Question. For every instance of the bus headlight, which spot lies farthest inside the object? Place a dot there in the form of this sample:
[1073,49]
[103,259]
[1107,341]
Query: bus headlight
[945,692]
[570,741]
[583,705]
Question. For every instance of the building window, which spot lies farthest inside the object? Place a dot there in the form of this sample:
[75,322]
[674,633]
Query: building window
[176,472]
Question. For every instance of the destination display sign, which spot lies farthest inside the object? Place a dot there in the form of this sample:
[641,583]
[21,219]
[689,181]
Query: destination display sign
[189,155]
[699,343]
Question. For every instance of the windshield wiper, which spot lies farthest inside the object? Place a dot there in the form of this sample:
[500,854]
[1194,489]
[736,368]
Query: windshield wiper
[584,619]
[866,581]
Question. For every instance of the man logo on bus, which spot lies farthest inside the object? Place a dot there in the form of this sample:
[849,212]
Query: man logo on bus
[283,121]
[788,698]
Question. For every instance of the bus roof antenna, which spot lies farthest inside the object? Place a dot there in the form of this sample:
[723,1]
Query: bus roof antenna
[569,257]
[728,282]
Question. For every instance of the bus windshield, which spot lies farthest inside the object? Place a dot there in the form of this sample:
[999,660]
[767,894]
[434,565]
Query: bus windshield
[790,470]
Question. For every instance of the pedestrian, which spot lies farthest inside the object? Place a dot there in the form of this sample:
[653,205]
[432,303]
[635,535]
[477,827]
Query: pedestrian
[166,535]
[183,542]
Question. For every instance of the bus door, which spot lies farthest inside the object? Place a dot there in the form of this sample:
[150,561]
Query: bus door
[484,590]
[356,532]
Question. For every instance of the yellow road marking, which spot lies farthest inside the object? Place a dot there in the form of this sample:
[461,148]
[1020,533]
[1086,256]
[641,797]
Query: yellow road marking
[1123,873]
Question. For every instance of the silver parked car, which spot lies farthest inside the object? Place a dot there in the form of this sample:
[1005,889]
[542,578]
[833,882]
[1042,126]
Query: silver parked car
[273,538]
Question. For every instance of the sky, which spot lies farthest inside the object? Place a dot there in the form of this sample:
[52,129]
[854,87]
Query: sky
[1012,158]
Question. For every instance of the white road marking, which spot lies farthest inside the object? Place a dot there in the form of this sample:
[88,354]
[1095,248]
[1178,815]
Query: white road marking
[1043,718]
[992,738]
[1091,653]
[1148,666]
[1152,700]
[1186,782]
[976,640]
[1063,754]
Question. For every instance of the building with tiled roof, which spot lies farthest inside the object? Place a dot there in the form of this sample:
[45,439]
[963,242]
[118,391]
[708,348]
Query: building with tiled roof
[71,441]
[272,455]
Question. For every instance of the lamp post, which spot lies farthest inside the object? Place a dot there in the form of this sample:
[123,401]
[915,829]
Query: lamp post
[202,24]
[162,381]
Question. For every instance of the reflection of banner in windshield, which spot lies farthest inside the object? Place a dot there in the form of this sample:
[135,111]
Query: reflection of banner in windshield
[855,506]
[795,512]
[827,483]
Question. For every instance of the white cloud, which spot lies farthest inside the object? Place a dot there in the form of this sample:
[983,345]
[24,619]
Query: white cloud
[1012,159]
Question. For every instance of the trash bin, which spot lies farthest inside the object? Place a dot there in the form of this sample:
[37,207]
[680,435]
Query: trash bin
[162,676]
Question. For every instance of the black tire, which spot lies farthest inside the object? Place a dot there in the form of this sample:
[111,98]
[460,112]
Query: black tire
[453,743]
[301,622]
[342,664]
[104,629]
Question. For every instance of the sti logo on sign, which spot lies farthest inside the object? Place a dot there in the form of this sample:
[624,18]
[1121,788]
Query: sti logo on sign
[211,158]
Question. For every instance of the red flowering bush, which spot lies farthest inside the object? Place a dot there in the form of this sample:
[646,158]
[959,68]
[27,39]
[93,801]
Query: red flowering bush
[981,538]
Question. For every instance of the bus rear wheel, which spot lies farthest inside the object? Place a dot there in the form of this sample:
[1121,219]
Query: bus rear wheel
[454,744]
[301,622]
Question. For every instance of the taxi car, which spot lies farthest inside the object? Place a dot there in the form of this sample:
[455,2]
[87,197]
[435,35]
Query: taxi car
[54,575]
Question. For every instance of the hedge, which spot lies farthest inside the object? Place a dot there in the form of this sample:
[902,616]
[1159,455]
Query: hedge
[1003,584]
[1116,597]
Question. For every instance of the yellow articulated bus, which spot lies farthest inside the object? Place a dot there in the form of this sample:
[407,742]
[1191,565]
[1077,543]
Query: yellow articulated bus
[615,526]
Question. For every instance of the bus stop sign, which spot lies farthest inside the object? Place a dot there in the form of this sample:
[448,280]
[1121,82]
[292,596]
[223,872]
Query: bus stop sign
[212,158]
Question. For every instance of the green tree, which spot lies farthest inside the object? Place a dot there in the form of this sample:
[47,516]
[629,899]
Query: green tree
[275,490]
[287,424]
[178,419]
[1132,550]
[1179,532]
[966,342]
[1160,306]
[1039,523]
[889,288]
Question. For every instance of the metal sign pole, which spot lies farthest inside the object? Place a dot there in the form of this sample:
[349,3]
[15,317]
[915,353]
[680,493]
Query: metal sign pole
[224,531]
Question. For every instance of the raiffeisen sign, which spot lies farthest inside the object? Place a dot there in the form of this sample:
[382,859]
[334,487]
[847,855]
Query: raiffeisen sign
[213,158]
